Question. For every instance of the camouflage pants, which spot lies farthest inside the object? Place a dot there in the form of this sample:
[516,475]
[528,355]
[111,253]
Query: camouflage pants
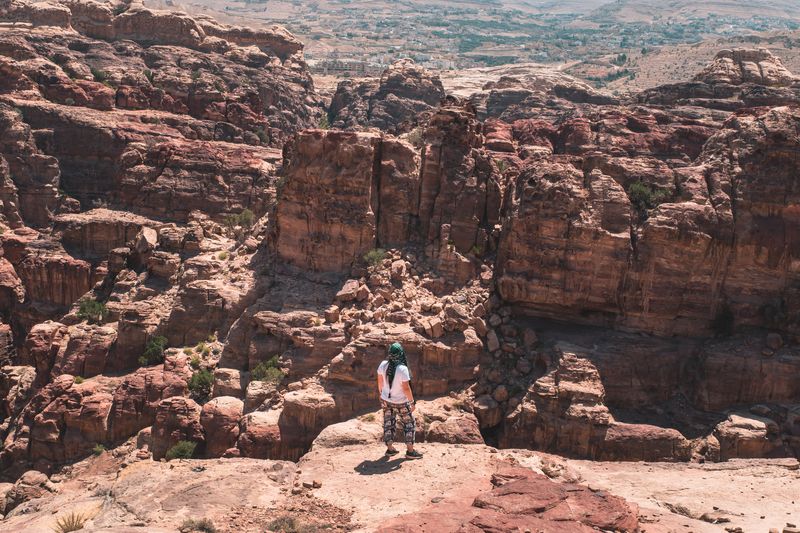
[391,411]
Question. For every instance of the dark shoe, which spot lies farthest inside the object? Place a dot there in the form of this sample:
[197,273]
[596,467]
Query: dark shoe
[413,455]
[392,452]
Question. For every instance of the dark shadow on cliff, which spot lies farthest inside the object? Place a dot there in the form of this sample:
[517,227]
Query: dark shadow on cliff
[384,465]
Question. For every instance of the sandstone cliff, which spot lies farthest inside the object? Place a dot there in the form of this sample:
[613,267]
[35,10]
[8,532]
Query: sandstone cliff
[184,259]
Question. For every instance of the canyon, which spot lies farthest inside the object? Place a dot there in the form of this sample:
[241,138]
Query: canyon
[199,249]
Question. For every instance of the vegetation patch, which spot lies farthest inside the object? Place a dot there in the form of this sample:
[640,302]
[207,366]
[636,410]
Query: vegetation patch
[289,524]
[200,384]
[70,522]
[92,311]
[154,351]
[184,449]
[193,524]
[643,197]
[375,256]
[245,219]
[267,371]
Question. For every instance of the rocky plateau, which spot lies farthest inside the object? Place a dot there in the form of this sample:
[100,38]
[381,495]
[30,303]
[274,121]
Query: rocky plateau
[590,288]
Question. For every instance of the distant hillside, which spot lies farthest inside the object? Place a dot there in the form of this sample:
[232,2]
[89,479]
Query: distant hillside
[654,10]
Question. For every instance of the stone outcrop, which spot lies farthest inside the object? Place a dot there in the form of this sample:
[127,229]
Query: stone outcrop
[523,499]
[176,419]
[694,237]
[386,194]
[734,79]
[247,274]
[404,96]
[740,65]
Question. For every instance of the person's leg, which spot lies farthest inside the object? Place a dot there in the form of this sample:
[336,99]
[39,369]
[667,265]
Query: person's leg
[409,429]
[389,422]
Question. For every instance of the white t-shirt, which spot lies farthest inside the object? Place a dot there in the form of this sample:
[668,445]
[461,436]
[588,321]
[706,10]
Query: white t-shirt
[401,375]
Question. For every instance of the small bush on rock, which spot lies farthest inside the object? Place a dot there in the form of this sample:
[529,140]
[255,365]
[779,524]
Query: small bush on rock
[289,524]
[98,449]
[92,311]
[203,524]
[99,75]
[184,449]
[375,256]
[154,351]
[200,384]
[70,522]
[245,219]
[643,197]
[267,371]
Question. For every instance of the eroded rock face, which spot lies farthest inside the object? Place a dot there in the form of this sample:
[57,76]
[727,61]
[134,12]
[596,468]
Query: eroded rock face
[403,97]
[735,79]
[277,280]
[739,66]
[176,419]
[674,238]
[368,190]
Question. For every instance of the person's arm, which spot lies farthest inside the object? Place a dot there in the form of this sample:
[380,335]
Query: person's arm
[409,394]
[380,384]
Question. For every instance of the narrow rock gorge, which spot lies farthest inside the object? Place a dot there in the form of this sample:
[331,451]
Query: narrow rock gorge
[187,256]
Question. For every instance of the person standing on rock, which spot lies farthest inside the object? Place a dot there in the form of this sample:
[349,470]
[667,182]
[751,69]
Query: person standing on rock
[397,399]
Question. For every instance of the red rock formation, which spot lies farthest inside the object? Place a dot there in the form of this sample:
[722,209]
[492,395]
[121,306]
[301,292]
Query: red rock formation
[403,97]
[220,421]
[741,65]
[176,419]
[140,393]
[687,239]
[522,499]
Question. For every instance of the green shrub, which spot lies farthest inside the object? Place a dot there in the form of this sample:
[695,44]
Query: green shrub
[79,380]
[120,9]
[154,351]
[501,165]
[222,256]
[244,219]
[289,524]
[99,75]
[69,101]
[723,322]
[416,137]
[643,197]
[183,450]
[324,123]
[203,524]
[196,74]
[148,74]
[70,522]
[201,347]
[262,135]
[98,449]
[374,256]
[188,351]
[267,371]
[200,384]
[194,362]
[92,311]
